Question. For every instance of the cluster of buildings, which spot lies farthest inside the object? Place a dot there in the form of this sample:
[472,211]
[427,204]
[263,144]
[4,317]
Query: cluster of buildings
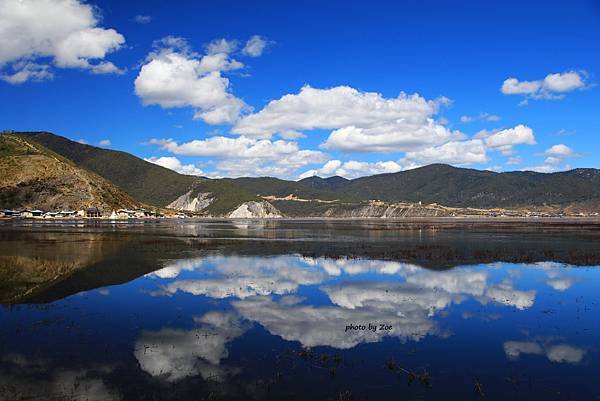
[88,213]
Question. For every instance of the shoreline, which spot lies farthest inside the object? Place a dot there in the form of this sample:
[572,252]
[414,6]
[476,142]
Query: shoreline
[452,219]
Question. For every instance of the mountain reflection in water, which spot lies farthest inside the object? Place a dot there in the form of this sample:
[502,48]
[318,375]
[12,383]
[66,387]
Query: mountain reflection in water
[298,310]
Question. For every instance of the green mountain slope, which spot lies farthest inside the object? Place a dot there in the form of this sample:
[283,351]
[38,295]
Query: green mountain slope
[462,187]
[436,183]
[144,181]
[276,187]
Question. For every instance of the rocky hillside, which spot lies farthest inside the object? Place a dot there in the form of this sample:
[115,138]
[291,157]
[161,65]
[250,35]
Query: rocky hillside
[32,176]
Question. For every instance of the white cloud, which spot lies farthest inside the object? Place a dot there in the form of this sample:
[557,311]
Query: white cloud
[82,141]
[504,293]
[505,139]
[242,277]
[361,121]
[565,82]
[327,170]
[459,152]
[325,325]
[559,353]
[564,353]
[481,116]
[552,160]
[104,142]
[65,33]
[175,354]
[220,46]
[142,19]
[553,86]
[353,169]
[174,268]
[174,76]
[513,86]
[561,283]
[556,155]
[23,71]
[175,164]
[560,150]
[544,168]
[243,156]
[255,46]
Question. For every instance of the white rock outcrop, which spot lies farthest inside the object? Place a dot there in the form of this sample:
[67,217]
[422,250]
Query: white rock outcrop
[192,204]
[255,210]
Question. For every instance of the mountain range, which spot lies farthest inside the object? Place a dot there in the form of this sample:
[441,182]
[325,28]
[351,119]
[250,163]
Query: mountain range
[44,170]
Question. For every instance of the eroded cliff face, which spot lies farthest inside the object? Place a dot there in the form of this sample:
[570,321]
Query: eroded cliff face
[187,202]
[388,211]
[252,210]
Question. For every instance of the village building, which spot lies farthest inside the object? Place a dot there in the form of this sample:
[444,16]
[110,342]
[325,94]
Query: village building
[93,212]
[12,213]
[126,214]
[29,214]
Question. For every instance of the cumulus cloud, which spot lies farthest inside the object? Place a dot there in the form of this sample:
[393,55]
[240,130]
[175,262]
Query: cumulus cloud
[325,325]
[504,293]
[255,46]
[175,76]
[560,150]
[553,86]
[242,277]
[505,139]
[175,354]
[543,168]
[556,155]
[552,160]
[361,121]
[175,164]
[474,150]
[104,142]
[174,268]
[352,169]
[559,353]
[409,307]
[36,34]
[459,152]
[409,301]
[247,156]
[561,283]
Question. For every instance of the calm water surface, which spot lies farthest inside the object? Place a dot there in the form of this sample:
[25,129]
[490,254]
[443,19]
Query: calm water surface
[307,310]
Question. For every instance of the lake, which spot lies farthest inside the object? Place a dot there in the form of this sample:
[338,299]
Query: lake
[300,310]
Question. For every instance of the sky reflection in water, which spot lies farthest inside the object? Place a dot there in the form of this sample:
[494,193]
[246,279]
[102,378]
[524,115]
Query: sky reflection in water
[238,326]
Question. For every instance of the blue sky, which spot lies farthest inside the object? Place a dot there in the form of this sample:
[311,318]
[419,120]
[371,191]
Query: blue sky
[295,89]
